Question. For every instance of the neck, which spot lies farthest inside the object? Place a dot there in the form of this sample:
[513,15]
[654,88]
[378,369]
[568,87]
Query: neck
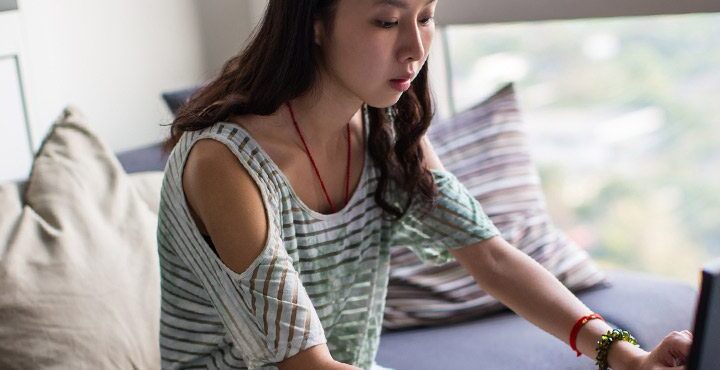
[324,111]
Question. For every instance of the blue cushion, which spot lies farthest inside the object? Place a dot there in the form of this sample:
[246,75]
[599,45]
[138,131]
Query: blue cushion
[650,307]
[148,158]
[175,99]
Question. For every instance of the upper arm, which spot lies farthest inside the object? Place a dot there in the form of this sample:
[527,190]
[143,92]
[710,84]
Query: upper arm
[227,203]
[455,220]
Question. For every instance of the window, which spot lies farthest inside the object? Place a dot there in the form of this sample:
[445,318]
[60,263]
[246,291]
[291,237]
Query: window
[624,121]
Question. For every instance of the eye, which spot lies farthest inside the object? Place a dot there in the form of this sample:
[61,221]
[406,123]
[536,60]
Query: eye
[390,24]
[386,24]
[427,21]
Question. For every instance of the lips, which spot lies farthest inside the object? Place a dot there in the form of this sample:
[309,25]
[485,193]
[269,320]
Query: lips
[406,76]
[402,83]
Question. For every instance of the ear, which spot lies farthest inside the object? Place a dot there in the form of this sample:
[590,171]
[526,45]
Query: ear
[318,31]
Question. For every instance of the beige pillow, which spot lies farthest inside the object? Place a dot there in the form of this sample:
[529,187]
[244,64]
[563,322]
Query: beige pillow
[79,275]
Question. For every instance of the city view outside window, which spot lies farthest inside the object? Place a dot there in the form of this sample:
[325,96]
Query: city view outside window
[623,118]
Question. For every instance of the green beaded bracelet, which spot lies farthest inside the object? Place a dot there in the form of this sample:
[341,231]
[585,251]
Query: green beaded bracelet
[604,345]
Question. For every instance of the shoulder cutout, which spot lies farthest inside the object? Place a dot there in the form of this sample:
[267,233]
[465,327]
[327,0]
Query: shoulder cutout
[227,202]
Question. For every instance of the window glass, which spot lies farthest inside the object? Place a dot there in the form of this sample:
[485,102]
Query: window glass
[623,116]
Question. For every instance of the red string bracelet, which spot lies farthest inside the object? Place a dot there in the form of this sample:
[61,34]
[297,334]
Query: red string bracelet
[576,329]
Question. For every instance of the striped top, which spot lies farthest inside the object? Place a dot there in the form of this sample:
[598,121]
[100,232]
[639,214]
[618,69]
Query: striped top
[320,278]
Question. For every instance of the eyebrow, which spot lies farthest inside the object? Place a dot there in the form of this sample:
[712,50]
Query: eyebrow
[402,4]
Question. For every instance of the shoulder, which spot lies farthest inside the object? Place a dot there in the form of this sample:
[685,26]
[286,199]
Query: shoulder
[212,170]
[223,146]
[212,164]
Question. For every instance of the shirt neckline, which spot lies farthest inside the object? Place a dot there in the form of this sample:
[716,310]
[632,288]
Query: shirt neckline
[288,184]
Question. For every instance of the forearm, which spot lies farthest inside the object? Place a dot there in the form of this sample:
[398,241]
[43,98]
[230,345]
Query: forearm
[314,358]
[532,292]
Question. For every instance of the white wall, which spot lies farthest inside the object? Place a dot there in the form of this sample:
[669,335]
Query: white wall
[113,58]
[14,145]
[224,26]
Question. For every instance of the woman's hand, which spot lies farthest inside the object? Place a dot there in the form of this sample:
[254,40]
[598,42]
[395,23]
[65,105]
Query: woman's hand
[671,353]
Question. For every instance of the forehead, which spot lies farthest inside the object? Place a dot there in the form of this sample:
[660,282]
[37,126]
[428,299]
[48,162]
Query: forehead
[379,4]
[402,4]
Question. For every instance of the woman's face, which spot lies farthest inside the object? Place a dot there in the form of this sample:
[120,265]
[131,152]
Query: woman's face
[377,47]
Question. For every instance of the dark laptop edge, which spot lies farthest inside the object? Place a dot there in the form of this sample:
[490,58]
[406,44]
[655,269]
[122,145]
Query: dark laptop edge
[709,279]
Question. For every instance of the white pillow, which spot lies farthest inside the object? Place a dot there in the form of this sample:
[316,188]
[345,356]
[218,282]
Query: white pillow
[79,273]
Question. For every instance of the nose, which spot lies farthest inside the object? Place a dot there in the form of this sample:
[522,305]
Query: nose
[412,47]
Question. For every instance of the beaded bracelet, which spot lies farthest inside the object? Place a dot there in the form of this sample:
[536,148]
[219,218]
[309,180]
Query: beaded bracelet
[604,345]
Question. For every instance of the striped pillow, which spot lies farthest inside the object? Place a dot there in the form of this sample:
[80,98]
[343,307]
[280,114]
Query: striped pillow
[486,148]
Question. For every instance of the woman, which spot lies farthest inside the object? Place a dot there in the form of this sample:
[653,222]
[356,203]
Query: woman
[292,175]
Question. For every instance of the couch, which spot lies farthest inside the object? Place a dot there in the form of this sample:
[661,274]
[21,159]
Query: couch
[79,278]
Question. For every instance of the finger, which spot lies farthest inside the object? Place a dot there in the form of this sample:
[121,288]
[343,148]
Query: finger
[677,361]
[673,350]
[680,340]
[679,346]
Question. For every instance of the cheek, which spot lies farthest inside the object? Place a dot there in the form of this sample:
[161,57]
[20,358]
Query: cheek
[360,57]
[427,40]
[368,43]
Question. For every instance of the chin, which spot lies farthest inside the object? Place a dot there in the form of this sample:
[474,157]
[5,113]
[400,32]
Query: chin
[379,101]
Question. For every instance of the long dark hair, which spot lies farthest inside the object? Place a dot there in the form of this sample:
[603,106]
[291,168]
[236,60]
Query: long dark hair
[280,63]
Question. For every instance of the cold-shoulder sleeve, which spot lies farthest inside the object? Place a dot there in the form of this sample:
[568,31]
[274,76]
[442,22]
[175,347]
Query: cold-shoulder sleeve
[265,310]
[456,220]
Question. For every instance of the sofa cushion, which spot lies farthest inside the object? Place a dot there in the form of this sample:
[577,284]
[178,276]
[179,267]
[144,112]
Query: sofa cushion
[486,148]
[148,158]
[79,275]
[177,98]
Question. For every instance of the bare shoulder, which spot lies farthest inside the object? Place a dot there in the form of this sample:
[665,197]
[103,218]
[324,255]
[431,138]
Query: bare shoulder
[211,164]
[431,159]
[225,203]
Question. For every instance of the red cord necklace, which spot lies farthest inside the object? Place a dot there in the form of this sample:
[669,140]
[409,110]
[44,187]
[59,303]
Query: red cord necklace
[312,161]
